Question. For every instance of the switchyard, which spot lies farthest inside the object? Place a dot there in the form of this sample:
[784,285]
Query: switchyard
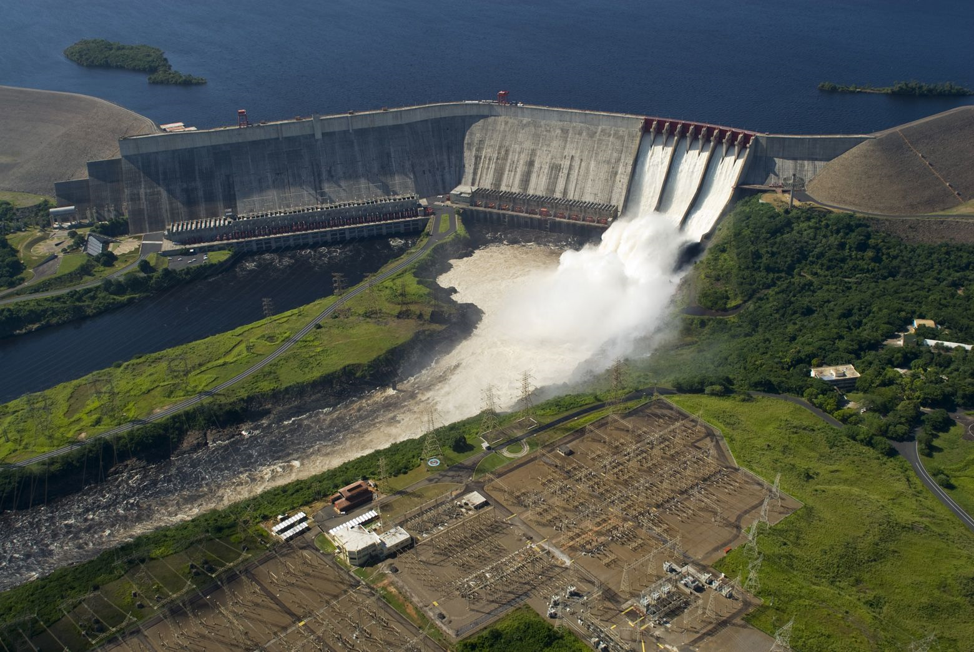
[293,599]
[610,532]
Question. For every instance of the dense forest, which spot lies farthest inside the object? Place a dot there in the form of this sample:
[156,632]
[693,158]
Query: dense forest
[17,219]
[10,265]
[100,53]
[909,88]
[112,228]
[821,289]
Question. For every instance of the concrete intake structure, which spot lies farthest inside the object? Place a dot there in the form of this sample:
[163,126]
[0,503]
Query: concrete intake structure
[165,179]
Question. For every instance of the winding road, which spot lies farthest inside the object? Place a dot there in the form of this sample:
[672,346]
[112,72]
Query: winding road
[910,451]
[435,238]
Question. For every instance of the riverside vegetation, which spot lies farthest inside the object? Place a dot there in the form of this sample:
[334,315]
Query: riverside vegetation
[100,53]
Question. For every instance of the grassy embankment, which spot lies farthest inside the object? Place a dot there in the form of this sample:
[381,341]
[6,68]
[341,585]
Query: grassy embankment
[871,562]
[22,199]
[444,223]
[85,407]
[100,53]
[954,455]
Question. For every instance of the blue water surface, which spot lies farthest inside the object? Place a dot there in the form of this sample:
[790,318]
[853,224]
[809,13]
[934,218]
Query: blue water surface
[745,63]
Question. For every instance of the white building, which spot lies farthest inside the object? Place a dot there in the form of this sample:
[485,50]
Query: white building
[842,377]
[358,546]
[473,500]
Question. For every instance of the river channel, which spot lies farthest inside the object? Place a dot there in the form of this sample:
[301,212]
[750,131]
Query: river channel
[232,298]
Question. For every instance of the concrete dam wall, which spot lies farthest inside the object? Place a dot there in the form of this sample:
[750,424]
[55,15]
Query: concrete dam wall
[421,150]
[553,159]
[561,154]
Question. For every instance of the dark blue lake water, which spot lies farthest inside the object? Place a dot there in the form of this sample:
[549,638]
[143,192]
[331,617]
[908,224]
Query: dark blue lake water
[745,63]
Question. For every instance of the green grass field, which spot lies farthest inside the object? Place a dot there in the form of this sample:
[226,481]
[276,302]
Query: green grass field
[158,262]
[444,223]
[523,630]
[81,408]
[22,199]
[871,562]
[23,242]
[955,456]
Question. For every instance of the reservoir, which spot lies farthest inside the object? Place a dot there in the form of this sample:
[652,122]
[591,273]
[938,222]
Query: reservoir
[752,65]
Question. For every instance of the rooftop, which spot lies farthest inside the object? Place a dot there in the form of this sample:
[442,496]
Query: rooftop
[354,537]
[837,372]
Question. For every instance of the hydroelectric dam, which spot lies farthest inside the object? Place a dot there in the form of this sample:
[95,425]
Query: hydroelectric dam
[332,178]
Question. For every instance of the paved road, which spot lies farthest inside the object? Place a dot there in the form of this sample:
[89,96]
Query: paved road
[434,239]
[909,450]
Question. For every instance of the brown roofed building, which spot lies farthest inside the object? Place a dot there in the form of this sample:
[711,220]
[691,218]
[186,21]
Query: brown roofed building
[352,496]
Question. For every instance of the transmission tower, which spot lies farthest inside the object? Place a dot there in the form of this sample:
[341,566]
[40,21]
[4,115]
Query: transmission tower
[764,510]
[618,375]
[338,285]
[488,422]
[527,403]
[776,489]
[753,583]
[431,445]
[267,305]
[751,547]
[39,414]
[711,609]
[782,638]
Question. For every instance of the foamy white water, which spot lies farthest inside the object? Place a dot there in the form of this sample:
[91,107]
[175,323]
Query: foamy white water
[717,188]
[649,172]
[686,174]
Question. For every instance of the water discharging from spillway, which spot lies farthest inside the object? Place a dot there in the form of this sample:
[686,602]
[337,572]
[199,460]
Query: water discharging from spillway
[558,316]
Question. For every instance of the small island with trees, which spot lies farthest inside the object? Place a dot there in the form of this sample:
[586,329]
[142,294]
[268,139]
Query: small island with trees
[100,53]
[910,88]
